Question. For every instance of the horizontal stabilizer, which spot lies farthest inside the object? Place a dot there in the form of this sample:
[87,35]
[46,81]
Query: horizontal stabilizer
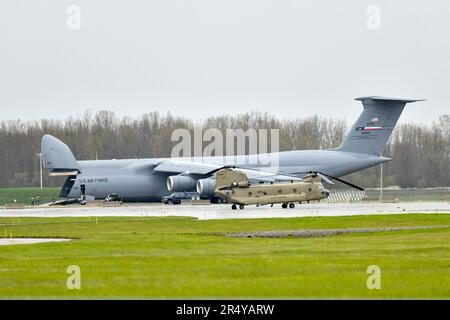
[381,98]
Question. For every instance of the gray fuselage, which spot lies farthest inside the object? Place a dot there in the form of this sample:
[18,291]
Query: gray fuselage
[135,179]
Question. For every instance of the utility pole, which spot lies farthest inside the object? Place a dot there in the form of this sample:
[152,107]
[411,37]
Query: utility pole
[381,182]
[39,155]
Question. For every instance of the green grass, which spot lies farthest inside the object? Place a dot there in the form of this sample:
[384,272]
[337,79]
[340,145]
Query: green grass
[24,195]
[183,258]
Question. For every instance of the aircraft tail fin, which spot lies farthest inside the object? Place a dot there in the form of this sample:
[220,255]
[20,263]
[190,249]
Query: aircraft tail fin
[57,157]
[371,132]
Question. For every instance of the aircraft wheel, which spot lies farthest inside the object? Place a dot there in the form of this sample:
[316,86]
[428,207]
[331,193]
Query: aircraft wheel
[284,205]
[233,207]
[241,206]
[291,205]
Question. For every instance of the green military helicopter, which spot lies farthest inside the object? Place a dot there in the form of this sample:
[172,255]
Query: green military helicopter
[233,186]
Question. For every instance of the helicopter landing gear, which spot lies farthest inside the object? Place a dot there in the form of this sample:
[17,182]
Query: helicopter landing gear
[241,206]
[233,207]
[291,205]
[284,205]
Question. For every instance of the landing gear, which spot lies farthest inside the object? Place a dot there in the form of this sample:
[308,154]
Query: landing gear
[284,205]
[233,207]
[216,200]
[241,206]
[291,205]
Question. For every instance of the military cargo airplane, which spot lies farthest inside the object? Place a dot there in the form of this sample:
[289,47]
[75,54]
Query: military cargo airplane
[151,179]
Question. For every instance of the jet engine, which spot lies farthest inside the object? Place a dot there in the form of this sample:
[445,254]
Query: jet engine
[205,187]
[180,183]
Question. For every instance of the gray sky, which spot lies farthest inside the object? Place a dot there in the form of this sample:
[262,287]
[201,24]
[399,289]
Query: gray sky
[205,57]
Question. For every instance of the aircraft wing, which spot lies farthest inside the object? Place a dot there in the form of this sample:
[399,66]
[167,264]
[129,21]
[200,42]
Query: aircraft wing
[185,167]
[203,169]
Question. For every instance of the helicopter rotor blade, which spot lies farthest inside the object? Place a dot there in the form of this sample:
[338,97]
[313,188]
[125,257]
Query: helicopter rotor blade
[325,178]
[324,175]
[218,169]
[343,181]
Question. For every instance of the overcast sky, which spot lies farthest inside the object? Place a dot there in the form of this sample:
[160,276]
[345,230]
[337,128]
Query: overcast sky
[204,57]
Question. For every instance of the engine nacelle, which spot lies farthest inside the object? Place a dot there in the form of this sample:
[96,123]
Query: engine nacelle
[180,183]
[205,187]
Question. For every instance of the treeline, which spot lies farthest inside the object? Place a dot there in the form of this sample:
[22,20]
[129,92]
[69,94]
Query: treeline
[421,153]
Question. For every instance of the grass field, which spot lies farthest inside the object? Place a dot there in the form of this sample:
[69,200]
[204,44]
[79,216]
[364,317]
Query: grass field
[187,258]
[24,195]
